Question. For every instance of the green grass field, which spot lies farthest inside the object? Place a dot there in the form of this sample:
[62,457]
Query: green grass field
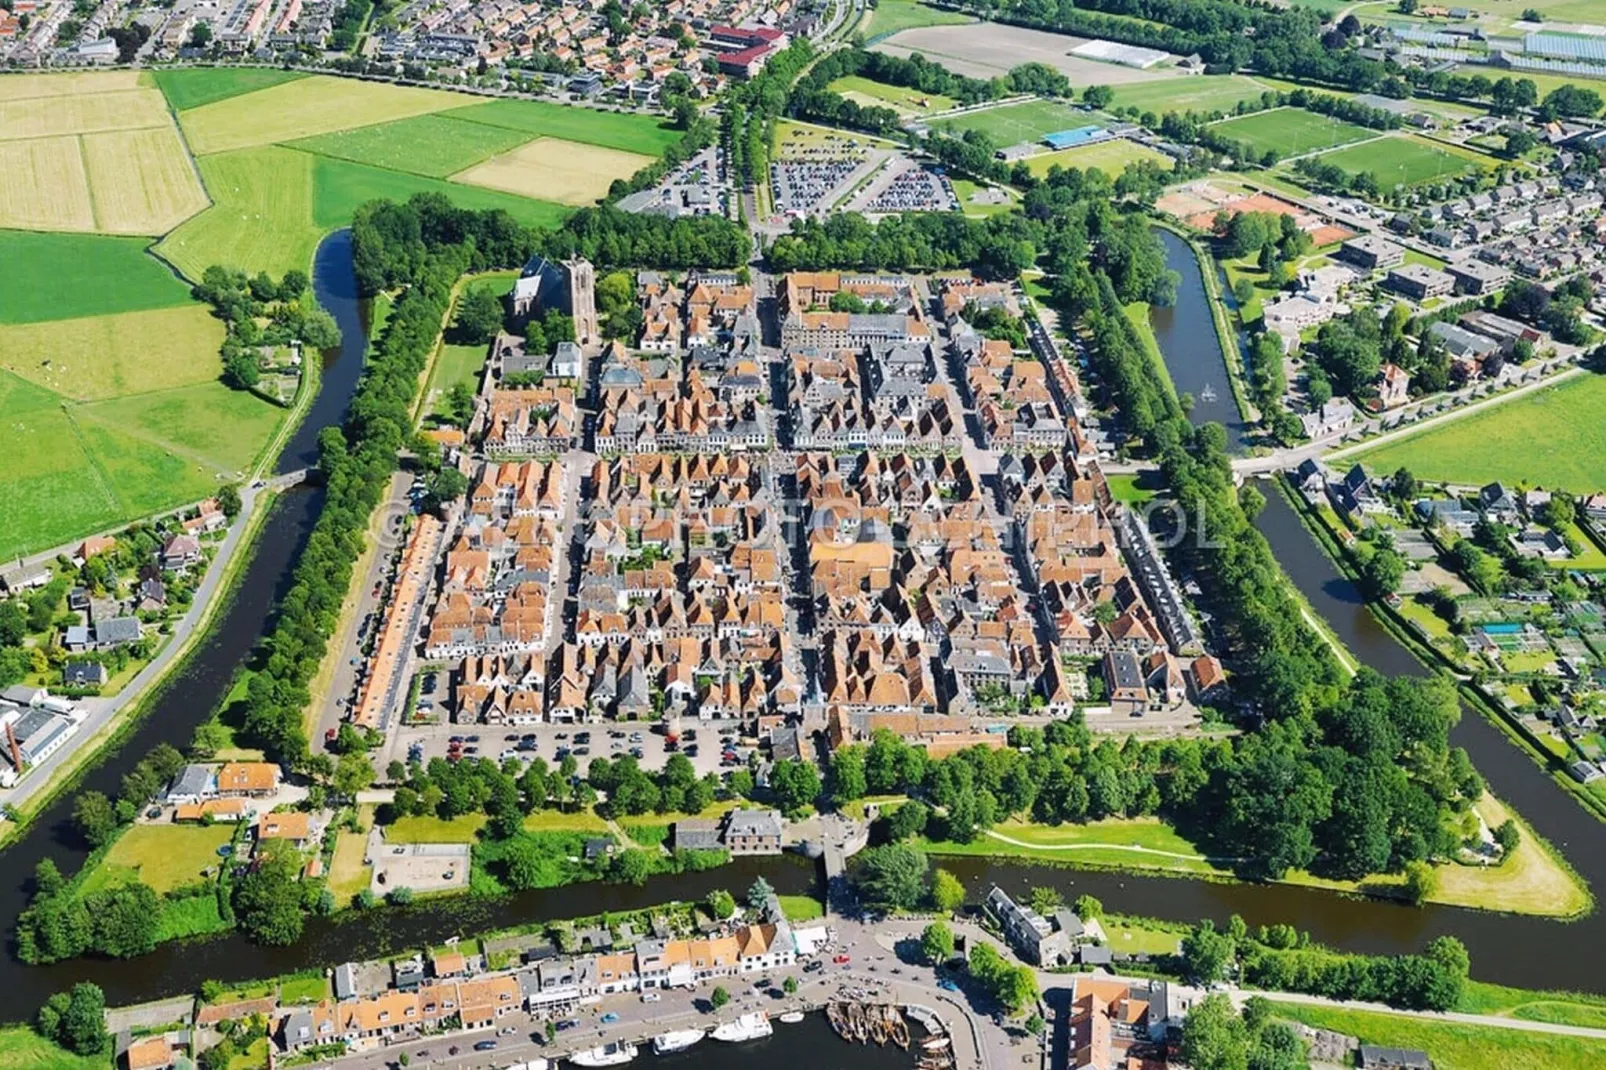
[432,145]
[65,276]
[162,856]
[1290,131]
[1405,161]
[1453,1046]
[1015,123]
[339,186]
[1205,93]
[802,908]
[462,364]
[96,357]
[261,215]
[23,1049]
[965,189]
[1554,437]
[890,16]
[612,130]
[900,99]
[192,87]
[208,421]
[1111,157]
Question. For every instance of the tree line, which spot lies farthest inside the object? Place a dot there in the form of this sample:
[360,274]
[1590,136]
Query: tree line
[751,108]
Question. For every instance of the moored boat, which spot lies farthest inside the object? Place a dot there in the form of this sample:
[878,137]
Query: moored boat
[748,1027]
[792,1017]
[613,1053]
[676,1040]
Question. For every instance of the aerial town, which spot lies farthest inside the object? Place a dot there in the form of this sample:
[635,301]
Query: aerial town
[871,533]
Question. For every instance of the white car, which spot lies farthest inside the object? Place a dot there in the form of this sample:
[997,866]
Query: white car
[651,997]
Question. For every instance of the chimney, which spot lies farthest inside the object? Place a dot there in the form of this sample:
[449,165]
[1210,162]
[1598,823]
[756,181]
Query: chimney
[14,747]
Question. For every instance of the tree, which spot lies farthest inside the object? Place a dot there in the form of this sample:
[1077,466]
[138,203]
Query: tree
[267,900]
[479,315]
[1421,881]
[1098,96]
[719,997]
[908,820]
[1214,1037]
[893,876]
[1035,1024]
[1088,908]
[847,772]
[631,866]
[228,500]
[1205,953]
[1507,836]
[200,35]
[758,895]
[94,819]
[947,893]
[1046,900]
[721,904]
[789,986]
[937,943]
[76,1019]
[241,371]
[353,773]
[796,784]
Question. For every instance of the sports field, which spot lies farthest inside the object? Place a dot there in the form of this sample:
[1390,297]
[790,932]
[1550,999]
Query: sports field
[303,108]
[1015,123]
[904,101]
[1291,131]
[64,276]
[191,87]
[1205,93]
[434,145]
[96,357]
[1554,438]
[890,16]
[565,172]
[1406,161]
[1111,157]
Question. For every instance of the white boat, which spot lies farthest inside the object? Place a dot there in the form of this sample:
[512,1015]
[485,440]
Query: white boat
[676,1040]
[613,1053]
[537,1063]
[792,1017]
[747,1027]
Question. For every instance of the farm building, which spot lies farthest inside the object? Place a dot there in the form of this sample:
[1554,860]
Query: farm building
[1125,55]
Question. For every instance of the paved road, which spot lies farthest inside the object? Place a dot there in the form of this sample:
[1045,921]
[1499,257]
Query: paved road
[98,714]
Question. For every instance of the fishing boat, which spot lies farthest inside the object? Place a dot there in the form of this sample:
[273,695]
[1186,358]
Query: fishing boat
[613,1053]
[748,1027]
[836,1014]
[935,1043]
[899,1028]
[676,1040]
[792,1017]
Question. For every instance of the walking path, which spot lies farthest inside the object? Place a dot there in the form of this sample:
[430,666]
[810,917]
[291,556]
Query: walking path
[1240,996]
[1138,848]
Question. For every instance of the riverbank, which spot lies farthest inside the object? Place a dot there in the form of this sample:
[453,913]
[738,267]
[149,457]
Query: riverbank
[1226,337]
[237,551]
[1532,881]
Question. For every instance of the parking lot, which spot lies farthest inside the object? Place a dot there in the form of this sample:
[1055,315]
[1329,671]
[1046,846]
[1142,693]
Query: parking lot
[703,742]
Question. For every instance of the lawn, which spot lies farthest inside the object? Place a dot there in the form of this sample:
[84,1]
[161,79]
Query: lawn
[1450,1045]
[309,989]
[209,422]
[65,276]
[890,16]
[347,873]
[801,908]
[23,1049]
[261,216]
[302,108]
[193,87]
[1139,843]
[1405,161]
[1290,131]
[432,145]
[611,130]
[162,856]
[339,186]
[1529,882]
[98,357]
[1133,936]
[414,829]
[1206,93]
[901,99]
[1014,123]
[1111,157]
[579,821]
[462,364]
[1137,488]
[965,190]
[1498,442]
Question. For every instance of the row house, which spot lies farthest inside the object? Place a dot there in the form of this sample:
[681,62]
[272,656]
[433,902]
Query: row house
[499,689]
[531,421]
[860,672]
[673,615]
[959,297]
[507,490]
[742,678]
[392,1013]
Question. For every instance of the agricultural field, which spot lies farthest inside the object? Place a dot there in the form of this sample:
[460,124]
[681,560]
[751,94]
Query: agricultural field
[98,357]
[1497,442]
[191,87]
[611,130]
[339,187]
[891,16]
[162,856]
[141,181]
[904,101]
[64,276]
[69,84]
[432,145]
[1111,157]
[261,215]
[1452,1045]
[565,172]
[84,113]
[45,187]
[221,428]
[1291,131]
[302,108]
[1015,123]
[1204,93]
[1406,161]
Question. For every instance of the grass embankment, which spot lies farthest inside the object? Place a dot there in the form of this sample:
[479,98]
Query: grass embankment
[1452,1045]
[23,1049]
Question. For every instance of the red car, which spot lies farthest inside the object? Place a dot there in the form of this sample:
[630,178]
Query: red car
[840,960]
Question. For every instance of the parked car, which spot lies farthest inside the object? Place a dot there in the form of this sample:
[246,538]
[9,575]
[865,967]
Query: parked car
[485,1045]
[842,960]
[947,986]
[609,1018]
[651,997]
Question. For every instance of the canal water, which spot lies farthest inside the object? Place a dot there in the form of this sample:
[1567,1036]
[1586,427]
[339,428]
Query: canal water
[1516,951]
[1187,337]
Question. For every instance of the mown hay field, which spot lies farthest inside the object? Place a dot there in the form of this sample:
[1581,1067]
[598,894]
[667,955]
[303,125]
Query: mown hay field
[260,219]
[85,113]
[141,181]
[43,186]
[68,84]
[555,170]
[191,87]
[303,108]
